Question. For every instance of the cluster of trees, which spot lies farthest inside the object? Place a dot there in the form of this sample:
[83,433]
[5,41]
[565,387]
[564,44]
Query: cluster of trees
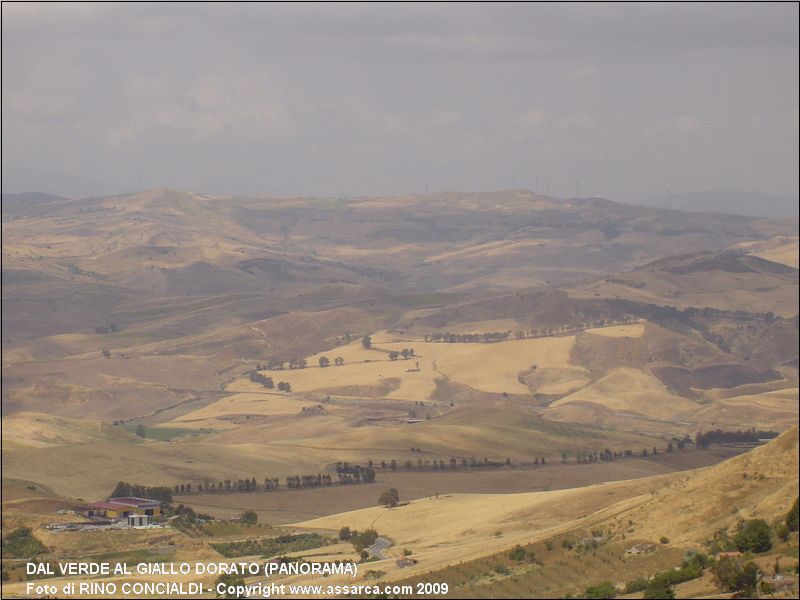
[718,436]
[264,380]
[268,382]
[276,364]
[680,443]
[160,493]
[406,353]
[733,575]
[186,517]
[361,541]
[317,409]
[324,361]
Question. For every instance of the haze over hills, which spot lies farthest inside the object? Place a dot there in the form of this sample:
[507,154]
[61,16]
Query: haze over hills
[754,204]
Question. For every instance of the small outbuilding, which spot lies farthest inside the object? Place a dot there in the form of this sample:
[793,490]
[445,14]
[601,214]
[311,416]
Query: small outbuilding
[139,520]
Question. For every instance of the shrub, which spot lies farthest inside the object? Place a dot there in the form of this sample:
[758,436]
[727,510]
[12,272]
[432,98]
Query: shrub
[518,553]
[664,539]
[602,590]
[754,535]
[21,543]
[249,517]
[658,589]
[792,517]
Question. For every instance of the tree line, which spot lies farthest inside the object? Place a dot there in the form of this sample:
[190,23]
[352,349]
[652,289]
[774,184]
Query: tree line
[160,493]
[355,474]
[547,331]
[718,436]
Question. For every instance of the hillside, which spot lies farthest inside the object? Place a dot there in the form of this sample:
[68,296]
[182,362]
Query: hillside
[157,308]
[686,507]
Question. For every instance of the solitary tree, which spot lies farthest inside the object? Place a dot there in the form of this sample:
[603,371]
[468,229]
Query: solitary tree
[389,498]
[366,341]
[324,361]
[141,431]
[249,517]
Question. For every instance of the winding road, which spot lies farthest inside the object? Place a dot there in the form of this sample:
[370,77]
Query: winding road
[376,550]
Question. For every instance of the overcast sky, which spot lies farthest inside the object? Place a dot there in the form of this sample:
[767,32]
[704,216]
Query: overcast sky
[616,101]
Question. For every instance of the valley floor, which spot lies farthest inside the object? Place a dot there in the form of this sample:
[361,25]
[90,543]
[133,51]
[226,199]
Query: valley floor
[288,506]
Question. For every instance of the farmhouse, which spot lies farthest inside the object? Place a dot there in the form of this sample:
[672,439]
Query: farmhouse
[643,548]
[116,508]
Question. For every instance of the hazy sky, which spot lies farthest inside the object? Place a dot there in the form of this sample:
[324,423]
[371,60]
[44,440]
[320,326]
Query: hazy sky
[629,101]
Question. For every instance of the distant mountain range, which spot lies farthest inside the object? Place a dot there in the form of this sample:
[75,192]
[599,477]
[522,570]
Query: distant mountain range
[753,204]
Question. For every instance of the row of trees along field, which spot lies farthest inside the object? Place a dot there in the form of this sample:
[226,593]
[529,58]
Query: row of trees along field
[463,463]
[351,476]
[297,363]
[499,336]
